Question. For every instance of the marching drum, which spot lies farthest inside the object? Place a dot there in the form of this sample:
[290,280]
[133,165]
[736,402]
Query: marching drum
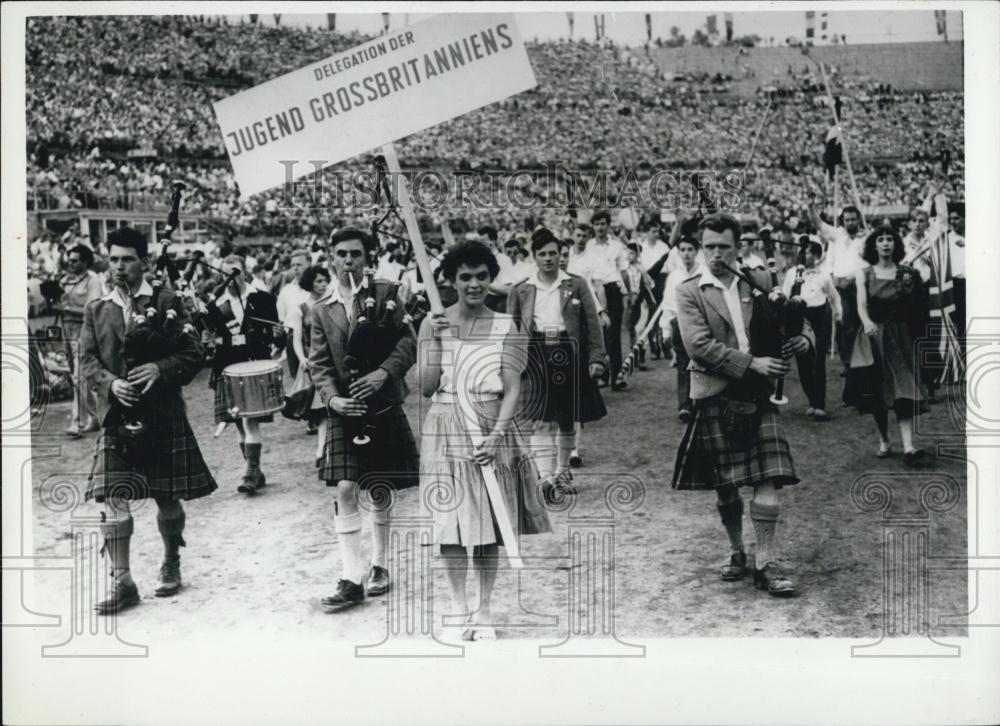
[253,388]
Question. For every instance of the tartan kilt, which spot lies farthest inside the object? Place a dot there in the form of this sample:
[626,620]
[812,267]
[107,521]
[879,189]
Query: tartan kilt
[223,403]
[709,457]
[391,453]
[175,468]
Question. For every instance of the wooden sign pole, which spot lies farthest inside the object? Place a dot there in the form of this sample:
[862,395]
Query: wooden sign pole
[510,541]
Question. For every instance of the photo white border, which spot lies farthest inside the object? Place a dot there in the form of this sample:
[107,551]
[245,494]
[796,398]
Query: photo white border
[246,677]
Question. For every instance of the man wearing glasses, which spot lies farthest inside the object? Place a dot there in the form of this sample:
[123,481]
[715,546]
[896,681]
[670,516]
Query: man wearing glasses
[80,285]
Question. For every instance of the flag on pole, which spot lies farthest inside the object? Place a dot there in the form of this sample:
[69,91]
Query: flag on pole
[597,28]
[649,27]
[331,21]
[810,26]
[833,152]
[941,19]
[712,24]
[942,307]
[385,22]
[569,16]
[728,17]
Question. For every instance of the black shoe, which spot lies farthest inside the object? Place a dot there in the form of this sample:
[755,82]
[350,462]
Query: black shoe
[169,581]
[736,569]
[684,415]
[619,385]
[312,429]
[378,581]
[348,595]
[643,367]
[772,579]
[575,460]
[122,597]
[912,458]
[248,485]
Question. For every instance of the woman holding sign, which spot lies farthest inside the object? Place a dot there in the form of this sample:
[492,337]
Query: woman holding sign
[470,365]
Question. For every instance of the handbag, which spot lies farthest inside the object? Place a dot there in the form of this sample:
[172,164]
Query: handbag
[299,399]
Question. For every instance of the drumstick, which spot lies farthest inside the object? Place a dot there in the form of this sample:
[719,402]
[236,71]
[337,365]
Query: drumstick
[219,429]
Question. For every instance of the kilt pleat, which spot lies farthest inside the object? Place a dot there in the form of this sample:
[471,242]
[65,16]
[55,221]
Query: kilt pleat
[175,468]
[710,457]
[391,454]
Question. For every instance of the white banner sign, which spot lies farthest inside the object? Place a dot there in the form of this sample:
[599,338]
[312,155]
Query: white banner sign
[390,87]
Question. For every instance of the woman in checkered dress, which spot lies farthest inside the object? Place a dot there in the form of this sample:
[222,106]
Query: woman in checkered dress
[473,376]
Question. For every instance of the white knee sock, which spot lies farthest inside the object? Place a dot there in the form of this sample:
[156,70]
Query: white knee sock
[349,536]
[380,536]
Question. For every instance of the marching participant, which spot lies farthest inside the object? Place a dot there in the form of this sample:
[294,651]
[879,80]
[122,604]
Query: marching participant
[882,376]
[822,303]
[244,320]
[162,463]
[290,297]
[734,439]
[315,280]
[360,351]
[480,364]
[80,285]
[608,262]
[576,265]
[557,311]
[689,251]
[844,246]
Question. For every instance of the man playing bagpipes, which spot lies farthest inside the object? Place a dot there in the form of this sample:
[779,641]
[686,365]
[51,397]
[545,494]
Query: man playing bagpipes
[733,334]
[137,350]
[558,311]
[243,318]
[362,346]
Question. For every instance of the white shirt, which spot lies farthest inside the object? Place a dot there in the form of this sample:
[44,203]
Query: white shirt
[649,255]
[127,304]
[290,297]
[731,295]
[578,264]
[817,287]
[522,270]
[674,279]
[957,254]
[238,304]
[843,252]
[548,302]
[607,261]
[389,269]
[912,246]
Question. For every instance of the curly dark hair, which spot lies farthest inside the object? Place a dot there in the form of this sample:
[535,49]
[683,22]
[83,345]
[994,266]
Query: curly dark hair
[470,254]
[309,275]
[871,254]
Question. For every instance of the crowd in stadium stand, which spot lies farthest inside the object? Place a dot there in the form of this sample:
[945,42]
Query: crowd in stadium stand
[118,107]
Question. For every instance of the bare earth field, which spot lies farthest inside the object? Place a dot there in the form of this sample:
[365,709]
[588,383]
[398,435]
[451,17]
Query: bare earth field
[262,563]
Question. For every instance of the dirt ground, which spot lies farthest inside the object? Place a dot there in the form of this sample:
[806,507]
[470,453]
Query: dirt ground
[264,562]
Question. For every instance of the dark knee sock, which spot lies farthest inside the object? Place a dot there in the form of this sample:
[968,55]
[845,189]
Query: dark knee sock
[170,521]
[731,513]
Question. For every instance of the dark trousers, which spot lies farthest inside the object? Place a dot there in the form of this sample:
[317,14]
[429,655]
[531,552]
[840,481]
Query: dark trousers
[812,365]
[613,333]
[293,359]
[847,328]
[683,374]
[958,318]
